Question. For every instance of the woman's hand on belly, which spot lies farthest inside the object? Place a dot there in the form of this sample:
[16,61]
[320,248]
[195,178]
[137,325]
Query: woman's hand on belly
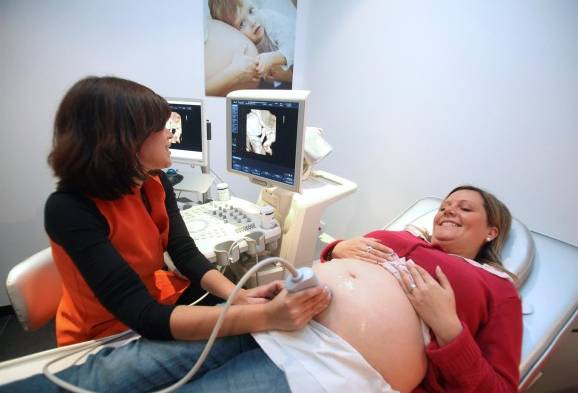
[434,301]
[363,248]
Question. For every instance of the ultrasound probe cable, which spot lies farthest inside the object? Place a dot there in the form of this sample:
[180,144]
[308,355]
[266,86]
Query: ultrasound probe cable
[300,279]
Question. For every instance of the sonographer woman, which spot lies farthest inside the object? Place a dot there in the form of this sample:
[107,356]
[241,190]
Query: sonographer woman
[113,216]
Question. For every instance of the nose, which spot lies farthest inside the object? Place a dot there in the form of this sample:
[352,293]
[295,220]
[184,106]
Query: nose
[449,210]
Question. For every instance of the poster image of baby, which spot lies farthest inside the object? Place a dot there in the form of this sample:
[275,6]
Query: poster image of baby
[261,132]
[175,126]
[249,44]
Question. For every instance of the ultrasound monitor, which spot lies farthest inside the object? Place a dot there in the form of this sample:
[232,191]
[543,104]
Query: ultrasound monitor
[187,123]
[265,136]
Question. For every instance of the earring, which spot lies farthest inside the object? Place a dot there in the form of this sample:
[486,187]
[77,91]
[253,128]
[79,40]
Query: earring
[488,239]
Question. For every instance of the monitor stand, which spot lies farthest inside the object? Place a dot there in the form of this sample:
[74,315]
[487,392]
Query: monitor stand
[299,215]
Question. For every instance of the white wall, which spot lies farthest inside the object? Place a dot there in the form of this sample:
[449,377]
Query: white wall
[415,97]
[45,46]
[418,96]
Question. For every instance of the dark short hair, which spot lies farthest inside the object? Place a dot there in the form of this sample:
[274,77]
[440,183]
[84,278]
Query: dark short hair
[99,128]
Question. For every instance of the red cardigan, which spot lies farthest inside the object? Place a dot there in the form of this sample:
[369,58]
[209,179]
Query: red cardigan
[485,357]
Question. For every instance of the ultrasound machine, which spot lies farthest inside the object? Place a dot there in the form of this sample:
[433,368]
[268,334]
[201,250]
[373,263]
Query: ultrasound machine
[266,143]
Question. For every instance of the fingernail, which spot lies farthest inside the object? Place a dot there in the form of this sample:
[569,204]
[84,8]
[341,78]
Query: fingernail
[410,262]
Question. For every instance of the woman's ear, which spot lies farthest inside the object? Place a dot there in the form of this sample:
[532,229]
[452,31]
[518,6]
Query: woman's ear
[493,232]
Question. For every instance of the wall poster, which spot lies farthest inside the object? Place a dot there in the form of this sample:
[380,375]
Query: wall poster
[249,44]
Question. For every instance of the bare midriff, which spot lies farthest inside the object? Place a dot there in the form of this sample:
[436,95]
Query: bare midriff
[371,312]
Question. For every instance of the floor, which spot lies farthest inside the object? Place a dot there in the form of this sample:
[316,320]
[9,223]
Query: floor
[16,342]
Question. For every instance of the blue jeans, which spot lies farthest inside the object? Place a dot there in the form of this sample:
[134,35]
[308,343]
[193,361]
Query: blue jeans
[234,364]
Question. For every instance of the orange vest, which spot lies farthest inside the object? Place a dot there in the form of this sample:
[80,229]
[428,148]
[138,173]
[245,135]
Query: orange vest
[140,238]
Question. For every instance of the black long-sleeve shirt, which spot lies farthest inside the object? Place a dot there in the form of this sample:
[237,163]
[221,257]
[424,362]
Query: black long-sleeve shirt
[74,222]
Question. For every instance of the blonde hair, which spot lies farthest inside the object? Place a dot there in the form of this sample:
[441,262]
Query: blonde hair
[225,10]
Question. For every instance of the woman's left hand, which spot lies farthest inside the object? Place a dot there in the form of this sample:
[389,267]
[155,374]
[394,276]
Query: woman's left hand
[434,302]
[260,294]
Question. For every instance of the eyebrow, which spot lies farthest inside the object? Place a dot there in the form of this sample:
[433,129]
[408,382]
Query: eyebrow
[458,201]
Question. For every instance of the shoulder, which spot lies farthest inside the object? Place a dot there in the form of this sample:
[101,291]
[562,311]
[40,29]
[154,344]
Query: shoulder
[61,201]
[503,287]
[491,273]
[497,282]
[68,209]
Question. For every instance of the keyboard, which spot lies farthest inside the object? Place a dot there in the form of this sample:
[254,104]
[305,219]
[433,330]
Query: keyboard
[216,222]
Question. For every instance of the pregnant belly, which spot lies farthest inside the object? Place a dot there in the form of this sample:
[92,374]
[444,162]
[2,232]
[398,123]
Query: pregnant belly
[371,312]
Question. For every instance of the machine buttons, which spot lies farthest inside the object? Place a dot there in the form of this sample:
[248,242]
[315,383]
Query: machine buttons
[215,222]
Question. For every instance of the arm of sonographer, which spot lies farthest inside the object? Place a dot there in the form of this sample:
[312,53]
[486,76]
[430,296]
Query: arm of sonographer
[285,312]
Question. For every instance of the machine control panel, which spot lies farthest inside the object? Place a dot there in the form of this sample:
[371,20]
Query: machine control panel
[216,222]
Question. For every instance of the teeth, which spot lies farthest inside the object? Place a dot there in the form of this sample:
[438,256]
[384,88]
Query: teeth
[449,224]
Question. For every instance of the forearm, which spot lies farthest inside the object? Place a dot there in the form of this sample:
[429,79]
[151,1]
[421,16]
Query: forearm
[217,284]
[197,322]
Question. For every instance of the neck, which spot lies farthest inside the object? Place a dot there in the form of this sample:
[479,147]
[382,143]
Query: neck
[456,249]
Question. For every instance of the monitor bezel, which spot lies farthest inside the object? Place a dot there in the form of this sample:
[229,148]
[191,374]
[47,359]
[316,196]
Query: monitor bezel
[292,96]
[189,157]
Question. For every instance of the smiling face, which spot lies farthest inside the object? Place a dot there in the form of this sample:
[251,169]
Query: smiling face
[248,23]
[461,225]
[154,152]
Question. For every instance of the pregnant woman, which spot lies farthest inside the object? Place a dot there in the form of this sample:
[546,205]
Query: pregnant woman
[472,310]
